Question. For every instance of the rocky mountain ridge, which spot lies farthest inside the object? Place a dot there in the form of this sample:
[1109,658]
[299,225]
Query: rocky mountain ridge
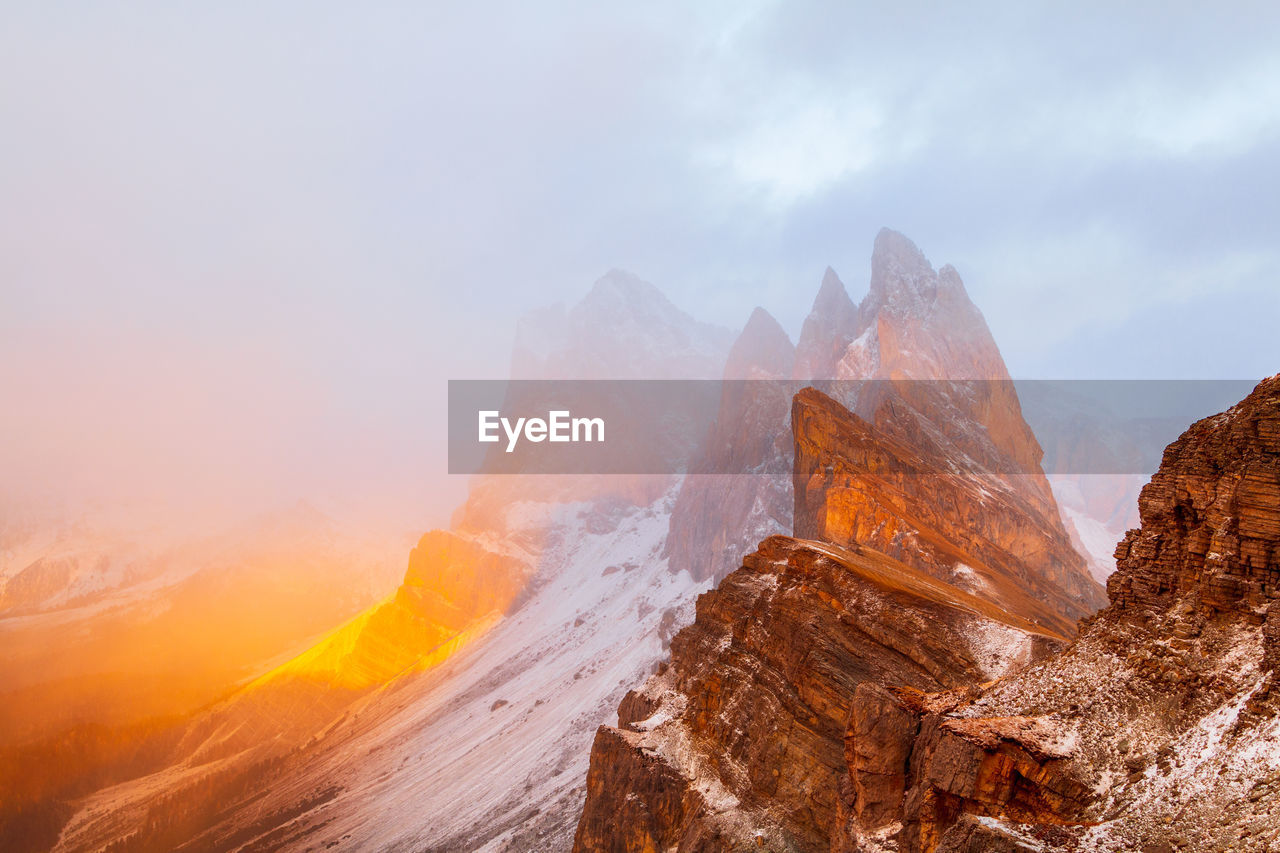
[779,725]
[906,571]
[891,485]
[499,654]
[915,328]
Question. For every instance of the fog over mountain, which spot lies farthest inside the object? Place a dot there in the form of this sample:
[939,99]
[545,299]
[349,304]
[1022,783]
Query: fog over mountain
[235,242]
[244,252]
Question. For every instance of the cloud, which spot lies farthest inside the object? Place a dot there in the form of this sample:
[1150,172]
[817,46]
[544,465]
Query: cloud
[367,200]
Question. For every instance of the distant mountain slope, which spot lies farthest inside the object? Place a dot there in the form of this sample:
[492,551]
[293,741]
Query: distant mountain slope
[562,574]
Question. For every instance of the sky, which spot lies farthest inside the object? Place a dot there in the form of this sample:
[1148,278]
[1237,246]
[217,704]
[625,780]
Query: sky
[244,246]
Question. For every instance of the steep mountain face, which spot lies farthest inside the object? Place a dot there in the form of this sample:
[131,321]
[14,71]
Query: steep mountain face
[917,323]
[719,517]
[742,739]
[914,332]
[488,670]
[892,485]
[1159,729]
[787,719]
[919,327]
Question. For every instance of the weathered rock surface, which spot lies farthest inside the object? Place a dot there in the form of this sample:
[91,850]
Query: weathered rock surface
[797,713]
[971,586]
[915,331]
[893,485]
[744,734]
[1158,727]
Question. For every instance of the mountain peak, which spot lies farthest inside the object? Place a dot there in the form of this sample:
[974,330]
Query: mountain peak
[831,286]
[832,323]
[628,287]
[896,243]
[761,321]
[832,294]
[762,351]
[624,327]
[901,276]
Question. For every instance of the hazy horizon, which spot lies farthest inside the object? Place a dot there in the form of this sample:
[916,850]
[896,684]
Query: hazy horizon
[242,252]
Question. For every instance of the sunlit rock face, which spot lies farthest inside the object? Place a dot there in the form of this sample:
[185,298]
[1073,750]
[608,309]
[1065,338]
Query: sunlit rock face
[1164,714]
[916,327]
[157,621]
[920,326]
[906,573]
[453,590]
[487,670]
[891,485]
[798,713]
[930,556]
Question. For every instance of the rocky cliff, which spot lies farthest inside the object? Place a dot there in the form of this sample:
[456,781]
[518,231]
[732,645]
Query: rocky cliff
[915,331]
[892,484]
[787,719]
[1164,709]
[743,736]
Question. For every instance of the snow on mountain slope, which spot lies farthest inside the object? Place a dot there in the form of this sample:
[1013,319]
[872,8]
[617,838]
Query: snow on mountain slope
[535,662]
[489,750]
[523,705]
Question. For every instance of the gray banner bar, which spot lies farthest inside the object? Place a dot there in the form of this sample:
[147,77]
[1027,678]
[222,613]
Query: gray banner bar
[673,426]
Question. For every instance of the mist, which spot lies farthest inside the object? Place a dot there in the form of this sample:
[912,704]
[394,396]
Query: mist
[242,250]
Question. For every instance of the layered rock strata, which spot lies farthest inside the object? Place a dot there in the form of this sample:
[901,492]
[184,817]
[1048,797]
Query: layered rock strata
[917,340]
[1163,715]
[831,698]
[892,484]
[743,735]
